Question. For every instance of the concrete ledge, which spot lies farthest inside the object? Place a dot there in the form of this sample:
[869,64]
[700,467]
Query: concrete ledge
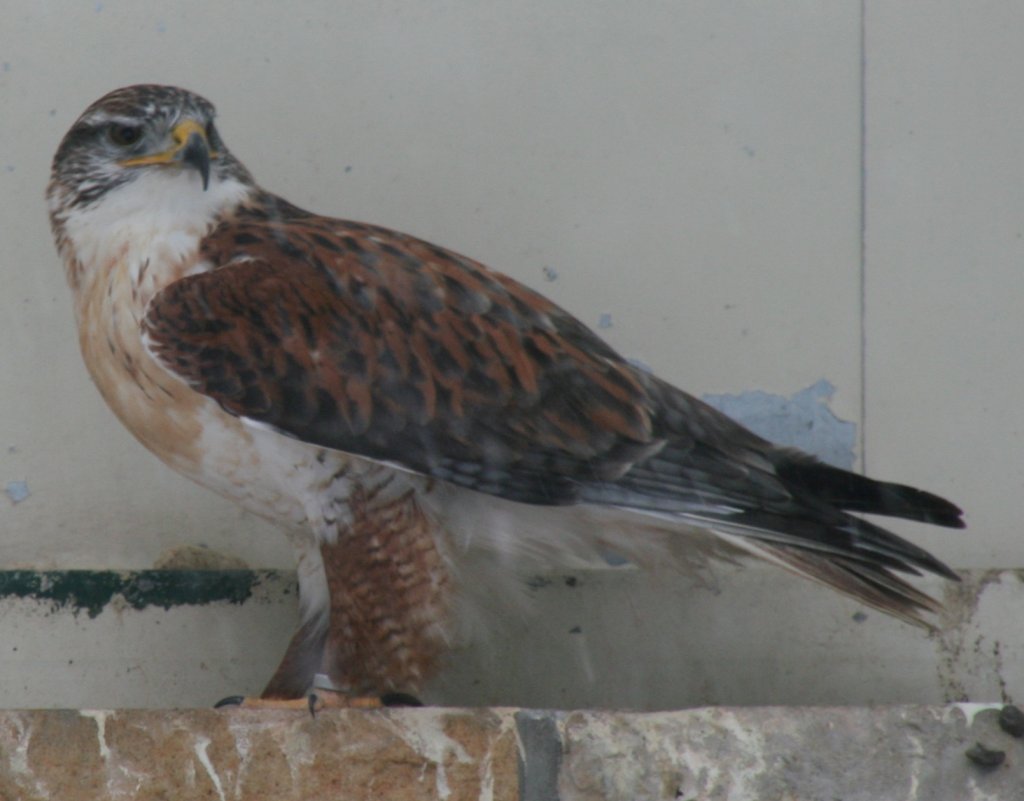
[767,753]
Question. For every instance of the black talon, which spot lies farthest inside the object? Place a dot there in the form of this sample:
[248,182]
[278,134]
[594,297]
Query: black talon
[231,700]
[985,757]
[312,699]
[1011,720]
[400,699]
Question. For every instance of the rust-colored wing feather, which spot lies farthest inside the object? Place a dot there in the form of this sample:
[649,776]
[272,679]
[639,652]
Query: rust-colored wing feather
[365,340]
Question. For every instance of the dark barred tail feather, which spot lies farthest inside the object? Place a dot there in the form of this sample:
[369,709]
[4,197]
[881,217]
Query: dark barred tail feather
[857,493]
[865,570]
[792,509]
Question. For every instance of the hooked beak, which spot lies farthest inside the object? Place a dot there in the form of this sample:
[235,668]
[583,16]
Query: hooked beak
[190,147]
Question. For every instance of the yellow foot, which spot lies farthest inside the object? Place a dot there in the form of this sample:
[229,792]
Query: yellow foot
[325,694]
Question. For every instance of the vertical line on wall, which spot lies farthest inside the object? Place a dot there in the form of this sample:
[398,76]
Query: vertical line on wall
[862,256]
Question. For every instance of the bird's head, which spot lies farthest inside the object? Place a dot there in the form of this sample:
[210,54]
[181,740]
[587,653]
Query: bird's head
[140,129]
[144,150]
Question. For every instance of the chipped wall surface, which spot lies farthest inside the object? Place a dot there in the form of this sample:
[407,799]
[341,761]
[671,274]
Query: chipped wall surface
[808,213]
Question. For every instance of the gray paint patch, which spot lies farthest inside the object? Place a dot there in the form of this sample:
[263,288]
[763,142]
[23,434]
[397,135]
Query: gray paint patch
[803,420]
[540,758]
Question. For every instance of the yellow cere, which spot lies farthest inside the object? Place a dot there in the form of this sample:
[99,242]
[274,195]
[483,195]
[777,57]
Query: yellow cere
[181,133]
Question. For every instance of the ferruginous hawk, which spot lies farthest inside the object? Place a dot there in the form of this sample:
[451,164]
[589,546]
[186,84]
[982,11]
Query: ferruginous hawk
[401,409]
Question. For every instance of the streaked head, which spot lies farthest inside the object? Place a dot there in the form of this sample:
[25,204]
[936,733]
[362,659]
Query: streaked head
[142,163]
[137,129]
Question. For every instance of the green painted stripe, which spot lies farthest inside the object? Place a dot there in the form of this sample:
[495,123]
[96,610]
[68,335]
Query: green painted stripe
[90,591]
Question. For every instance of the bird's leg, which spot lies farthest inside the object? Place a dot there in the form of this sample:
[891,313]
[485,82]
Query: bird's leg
[384,625]
[297,684]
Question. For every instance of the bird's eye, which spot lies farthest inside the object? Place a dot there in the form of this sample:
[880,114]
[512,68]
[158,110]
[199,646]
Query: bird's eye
[124,135]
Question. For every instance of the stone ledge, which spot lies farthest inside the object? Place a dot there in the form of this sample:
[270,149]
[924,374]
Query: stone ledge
[767,753]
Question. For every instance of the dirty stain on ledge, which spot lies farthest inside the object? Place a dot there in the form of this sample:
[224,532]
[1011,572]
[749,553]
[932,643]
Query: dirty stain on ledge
[91,591]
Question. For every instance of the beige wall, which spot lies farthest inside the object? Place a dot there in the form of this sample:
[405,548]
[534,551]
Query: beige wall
[755,197]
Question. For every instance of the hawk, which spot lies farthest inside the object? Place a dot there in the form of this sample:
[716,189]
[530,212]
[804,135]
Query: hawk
[401,409]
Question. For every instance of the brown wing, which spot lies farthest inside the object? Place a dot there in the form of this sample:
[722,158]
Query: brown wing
[372,342]
[369,341]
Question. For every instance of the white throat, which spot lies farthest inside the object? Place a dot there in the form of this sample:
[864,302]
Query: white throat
[162,213]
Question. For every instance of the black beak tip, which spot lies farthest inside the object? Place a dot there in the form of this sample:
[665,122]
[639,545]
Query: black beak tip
[197,154]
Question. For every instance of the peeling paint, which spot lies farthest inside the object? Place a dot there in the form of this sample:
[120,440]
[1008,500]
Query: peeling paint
[17,491]
[91,591]
[803,420]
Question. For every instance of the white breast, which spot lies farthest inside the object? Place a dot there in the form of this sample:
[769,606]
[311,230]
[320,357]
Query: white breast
[155,220]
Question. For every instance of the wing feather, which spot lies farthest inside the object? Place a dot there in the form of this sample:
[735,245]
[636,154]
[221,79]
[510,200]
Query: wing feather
[373,342]
[376,343]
